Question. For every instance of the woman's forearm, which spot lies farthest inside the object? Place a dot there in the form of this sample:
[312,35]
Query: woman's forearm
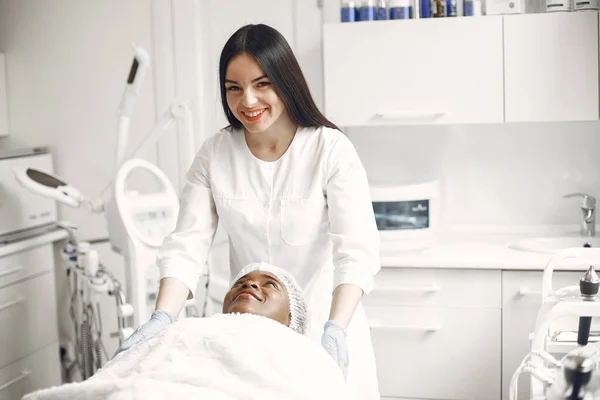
[172,295]
[344,303]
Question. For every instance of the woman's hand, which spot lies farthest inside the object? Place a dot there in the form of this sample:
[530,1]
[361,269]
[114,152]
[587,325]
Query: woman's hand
[159,320]
[334,342]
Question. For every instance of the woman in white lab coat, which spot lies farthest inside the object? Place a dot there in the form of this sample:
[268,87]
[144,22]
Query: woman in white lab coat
[289,190]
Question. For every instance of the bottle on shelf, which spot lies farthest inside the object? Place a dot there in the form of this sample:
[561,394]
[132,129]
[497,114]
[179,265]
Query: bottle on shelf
[382,13]
[367,10]
[348,11]
[401,9]
[472,8]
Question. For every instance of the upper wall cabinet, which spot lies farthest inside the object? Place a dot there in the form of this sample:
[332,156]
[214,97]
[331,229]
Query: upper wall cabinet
[414,71]
[551,67]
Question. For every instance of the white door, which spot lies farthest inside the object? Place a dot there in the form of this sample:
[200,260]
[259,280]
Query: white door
[414,71]
[551,66]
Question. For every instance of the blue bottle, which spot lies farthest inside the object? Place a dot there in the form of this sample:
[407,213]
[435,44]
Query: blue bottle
[401,9]
[381,10]
[426,8]
[367,11]
[471,8]
[450,8]
[348,11]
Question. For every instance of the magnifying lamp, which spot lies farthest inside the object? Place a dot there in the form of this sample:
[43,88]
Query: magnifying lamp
[137,222]
[54,187]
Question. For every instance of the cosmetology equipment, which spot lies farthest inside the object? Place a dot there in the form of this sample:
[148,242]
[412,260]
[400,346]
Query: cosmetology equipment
[405,211]
[22,213]
[575,376]
[137,223]
[86,279]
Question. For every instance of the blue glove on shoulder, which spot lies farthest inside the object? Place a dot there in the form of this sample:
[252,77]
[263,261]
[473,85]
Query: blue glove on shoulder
[157,322]
[334,342]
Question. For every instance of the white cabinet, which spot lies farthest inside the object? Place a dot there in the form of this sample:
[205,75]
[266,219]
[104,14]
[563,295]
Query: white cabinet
[457,334]
[37,371]
[29,354]
[551,67]
[436,333]
[414,71]
[512,68]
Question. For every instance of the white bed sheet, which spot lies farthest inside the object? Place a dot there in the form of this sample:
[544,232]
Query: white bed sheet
[223,357]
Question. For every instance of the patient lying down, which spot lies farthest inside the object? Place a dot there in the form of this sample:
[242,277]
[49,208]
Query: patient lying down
[248,352]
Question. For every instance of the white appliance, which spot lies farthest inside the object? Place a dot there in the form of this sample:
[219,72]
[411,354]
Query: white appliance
[406,211]
[22,212]
[137,224]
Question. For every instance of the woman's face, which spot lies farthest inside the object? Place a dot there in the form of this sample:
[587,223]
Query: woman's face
[250,94]
[259,293]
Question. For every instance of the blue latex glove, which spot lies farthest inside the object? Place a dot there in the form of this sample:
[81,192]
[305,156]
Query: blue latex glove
[157,322]
[334,342]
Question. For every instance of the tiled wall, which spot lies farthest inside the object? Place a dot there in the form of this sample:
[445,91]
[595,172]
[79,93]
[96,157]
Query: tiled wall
[492,175]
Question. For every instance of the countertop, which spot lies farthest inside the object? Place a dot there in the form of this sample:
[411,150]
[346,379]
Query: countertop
[461,248]
[49,235]
[470,248]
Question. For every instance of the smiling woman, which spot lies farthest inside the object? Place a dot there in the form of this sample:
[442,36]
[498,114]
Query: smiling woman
[269,291]
[289,189]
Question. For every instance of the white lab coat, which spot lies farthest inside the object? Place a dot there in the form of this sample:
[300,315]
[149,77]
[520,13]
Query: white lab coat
[309,212]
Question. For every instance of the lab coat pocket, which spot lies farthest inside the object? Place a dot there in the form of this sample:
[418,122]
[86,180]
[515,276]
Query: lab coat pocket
[302,220]
[239,216]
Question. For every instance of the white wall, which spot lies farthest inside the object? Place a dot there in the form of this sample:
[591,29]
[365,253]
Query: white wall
[491,175]
[67,63]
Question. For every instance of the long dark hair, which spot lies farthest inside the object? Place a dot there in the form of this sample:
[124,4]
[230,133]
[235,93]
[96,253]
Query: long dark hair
[276,58]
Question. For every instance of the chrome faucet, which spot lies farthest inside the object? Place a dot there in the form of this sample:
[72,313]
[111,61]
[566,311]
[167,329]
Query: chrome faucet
[588,213]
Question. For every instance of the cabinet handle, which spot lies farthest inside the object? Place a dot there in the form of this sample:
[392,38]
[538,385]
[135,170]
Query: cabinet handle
[408,115]
[24,374]
[12,303]
[9,271]
[411,289]
[525,291]
[425,328]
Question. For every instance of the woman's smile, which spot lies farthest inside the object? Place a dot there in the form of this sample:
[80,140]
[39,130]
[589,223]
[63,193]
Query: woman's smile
[254,115]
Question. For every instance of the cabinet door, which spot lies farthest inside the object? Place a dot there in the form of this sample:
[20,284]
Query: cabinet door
[40,370]
[522,298]
[437,352]
[551,67]
[414,71]
[27,317]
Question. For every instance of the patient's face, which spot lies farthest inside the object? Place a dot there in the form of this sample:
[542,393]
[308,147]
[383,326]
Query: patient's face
[259,293]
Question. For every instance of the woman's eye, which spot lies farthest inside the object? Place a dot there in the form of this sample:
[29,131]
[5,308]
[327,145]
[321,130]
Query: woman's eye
[263,84]
[232,88]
